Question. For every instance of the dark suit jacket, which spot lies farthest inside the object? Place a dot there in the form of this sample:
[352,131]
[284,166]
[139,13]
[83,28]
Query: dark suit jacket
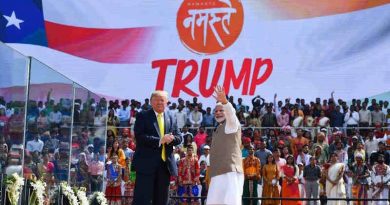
[147,156]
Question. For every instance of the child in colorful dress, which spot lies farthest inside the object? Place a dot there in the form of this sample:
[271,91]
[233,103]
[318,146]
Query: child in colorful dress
[114,175]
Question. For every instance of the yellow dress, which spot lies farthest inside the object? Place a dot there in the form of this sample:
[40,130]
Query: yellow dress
[270,172]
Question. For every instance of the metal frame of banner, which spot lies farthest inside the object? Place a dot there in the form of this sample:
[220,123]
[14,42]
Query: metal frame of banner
[71,130]
[27,94]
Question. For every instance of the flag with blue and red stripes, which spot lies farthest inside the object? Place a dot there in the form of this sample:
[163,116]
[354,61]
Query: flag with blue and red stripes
[24,21]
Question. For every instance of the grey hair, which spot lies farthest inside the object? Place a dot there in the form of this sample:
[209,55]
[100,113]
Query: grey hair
[219,104]
[161,93]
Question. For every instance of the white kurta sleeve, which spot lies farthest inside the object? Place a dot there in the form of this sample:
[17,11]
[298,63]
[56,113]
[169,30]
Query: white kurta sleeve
[232,122]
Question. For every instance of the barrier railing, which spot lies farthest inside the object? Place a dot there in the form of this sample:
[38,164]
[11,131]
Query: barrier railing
[350,131]
[59,200]
[282,128]
[322,199]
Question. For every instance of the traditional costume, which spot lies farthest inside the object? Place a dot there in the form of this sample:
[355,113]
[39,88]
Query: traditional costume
[270,175]
[336,190]
[290,184]
[380,177]
[226,169]
[189,173]
[113,189]
[360,183]
[129,179]
[252,177]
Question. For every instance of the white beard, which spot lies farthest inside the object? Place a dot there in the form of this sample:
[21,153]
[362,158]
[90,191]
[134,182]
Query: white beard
[220,119]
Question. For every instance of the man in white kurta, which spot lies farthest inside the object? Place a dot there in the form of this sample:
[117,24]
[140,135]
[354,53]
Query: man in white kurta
[226,172]
[380,178]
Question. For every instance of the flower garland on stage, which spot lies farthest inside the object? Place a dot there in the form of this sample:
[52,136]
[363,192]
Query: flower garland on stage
[68,192]
[82,196]
[14,185]
[75,196]
[98,198]
[38,195]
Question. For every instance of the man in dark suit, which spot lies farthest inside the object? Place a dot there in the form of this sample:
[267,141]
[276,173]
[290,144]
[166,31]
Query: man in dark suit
[153,161]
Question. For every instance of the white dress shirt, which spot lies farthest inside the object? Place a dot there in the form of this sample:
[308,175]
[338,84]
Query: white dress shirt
[55,117]
[278,109]
[172,113]
[354,120]
[181,119]
[204,158]
[34,145]
[372,145]
[305,160]
[365,116]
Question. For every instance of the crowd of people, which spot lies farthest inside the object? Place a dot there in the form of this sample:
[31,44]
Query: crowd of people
[52,143]
[289,149]
[281,141]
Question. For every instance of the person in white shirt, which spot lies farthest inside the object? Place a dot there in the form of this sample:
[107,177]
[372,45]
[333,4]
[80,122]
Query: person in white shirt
[172,112]
[88,151]
[55,117]
[371,144]
[280,162]
[304,157]
[351,119]
[205,156]
[380,178]
[364,116]
[196,117]
[13,167]
[35,145]
[226,169]
[181,118]
[277,106]
[176,155]
[365,119]
[187,109]
[41,106]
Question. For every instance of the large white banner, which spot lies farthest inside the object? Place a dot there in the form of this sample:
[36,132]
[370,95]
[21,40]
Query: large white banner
[126,49]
